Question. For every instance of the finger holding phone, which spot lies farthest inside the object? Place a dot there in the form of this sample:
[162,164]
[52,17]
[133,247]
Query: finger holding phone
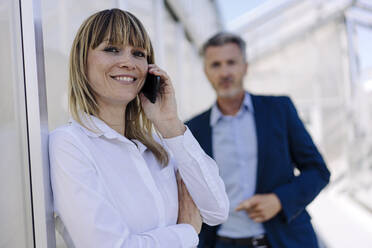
[163,113]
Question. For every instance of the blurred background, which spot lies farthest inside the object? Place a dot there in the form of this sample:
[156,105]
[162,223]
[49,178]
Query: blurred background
[319,52]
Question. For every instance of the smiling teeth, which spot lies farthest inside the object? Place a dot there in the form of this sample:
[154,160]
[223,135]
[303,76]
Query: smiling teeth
[127,79]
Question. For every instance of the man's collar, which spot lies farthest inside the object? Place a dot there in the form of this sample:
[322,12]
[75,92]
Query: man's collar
[216,114]
[247,102]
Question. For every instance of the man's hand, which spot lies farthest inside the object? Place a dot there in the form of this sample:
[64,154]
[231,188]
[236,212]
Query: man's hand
[188,212]
[261,207]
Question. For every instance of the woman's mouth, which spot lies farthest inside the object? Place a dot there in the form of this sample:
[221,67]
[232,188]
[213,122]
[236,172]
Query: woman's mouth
[124,79]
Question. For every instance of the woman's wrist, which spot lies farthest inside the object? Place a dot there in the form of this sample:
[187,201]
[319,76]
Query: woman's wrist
[171,128]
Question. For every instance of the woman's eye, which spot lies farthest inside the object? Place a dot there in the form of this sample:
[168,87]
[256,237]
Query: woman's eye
[111,49]
[139,54]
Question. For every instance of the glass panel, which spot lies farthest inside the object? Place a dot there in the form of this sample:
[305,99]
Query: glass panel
[15,201]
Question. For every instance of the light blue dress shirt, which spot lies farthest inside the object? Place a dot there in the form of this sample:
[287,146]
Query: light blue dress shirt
[235,151]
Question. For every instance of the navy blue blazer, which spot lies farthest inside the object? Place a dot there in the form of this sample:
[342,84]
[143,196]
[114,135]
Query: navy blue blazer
[283,144]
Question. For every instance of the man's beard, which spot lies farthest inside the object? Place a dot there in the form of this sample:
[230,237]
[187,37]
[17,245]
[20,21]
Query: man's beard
[228,93]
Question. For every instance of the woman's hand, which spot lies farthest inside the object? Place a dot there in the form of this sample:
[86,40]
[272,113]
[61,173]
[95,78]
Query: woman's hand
[163,113]
[188,213]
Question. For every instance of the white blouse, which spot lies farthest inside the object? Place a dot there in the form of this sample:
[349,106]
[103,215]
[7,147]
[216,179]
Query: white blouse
[110,191]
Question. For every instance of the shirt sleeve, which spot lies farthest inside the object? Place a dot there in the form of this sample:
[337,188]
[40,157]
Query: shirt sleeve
[201,176]
[81,203]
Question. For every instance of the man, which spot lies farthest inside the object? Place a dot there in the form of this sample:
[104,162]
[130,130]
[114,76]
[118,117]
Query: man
[257,142]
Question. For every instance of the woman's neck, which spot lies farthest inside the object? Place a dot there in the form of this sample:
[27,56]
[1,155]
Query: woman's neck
[114,117]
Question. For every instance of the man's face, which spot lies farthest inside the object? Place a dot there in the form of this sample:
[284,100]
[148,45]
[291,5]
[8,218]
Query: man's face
[225,68]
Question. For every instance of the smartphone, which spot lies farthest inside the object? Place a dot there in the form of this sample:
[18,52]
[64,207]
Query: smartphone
[151,87]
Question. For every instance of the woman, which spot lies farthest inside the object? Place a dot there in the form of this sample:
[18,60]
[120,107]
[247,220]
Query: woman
[113,180]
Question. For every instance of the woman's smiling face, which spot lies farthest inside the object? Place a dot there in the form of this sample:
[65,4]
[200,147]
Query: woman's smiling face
[116,73]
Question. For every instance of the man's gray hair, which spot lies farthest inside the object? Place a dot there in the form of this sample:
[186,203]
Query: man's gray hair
[223,38]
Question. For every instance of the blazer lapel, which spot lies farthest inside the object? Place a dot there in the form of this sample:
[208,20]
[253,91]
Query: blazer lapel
[208,134]
[205,137]
[261,122]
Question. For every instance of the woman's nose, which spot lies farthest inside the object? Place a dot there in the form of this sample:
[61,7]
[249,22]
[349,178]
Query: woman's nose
[126,61]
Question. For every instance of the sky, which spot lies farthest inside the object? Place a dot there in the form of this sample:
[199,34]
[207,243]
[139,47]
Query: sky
[364,56]
[364,45]
[231,9]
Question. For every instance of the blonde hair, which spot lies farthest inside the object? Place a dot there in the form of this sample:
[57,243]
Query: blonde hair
[118,27]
